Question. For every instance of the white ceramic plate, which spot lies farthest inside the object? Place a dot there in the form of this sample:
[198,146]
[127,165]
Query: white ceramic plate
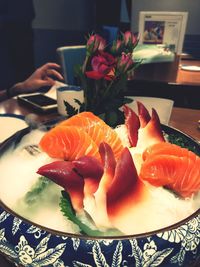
[190,68]
[10,124]
[163,106]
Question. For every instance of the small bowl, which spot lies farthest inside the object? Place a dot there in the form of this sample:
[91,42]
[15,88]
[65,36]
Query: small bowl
[28,244]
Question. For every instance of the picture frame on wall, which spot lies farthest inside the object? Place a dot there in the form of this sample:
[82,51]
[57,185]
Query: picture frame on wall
[167,28]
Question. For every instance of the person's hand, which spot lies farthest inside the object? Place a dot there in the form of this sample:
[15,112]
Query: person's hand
[43,76]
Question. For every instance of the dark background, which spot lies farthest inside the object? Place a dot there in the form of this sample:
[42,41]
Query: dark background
[31,30]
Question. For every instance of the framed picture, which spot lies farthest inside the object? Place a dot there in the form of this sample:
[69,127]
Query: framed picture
[158,27]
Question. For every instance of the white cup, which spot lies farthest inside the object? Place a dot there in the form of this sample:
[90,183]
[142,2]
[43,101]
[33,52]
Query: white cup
[163,106]
[69,95]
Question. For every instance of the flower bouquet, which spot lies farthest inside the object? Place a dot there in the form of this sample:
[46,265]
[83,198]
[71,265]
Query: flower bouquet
[104,74]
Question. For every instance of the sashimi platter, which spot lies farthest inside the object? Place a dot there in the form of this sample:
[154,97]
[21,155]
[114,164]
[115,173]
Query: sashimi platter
[81,193]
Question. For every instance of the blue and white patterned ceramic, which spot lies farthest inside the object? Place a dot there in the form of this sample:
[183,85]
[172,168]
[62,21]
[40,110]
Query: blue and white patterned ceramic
[30,245]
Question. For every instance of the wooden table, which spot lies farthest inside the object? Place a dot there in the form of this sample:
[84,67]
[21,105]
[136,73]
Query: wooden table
[185,120]
[190,78]
[168,80]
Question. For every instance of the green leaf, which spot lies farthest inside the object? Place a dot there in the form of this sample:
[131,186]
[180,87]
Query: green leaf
[127,100]
[69,212]
[32,196]
[182,142]
[70,110]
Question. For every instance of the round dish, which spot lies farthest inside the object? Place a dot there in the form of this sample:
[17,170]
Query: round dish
[12,123]
[28,244]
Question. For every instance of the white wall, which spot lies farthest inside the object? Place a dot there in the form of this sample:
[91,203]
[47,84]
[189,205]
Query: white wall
[192,6]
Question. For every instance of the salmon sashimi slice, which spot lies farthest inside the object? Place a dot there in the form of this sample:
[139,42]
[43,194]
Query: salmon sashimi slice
[84,119]
[166,148]
[177,169]
[97,129]
[103,133]
[68,143]
[82,125]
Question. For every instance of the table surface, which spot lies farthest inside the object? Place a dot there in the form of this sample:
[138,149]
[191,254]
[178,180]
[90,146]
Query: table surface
[170,73]
[183,119]
[185,77]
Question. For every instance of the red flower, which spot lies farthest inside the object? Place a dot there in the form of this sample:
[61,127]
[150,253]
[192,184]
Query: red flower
[102,67]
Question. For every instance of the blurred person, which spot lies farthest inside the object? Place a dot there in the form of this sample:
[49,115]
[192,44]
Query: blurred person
[41,77]
[16,46]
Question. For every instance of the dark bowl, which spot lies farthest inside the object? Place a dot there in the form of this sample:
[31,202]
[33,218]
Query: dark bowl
[28,244]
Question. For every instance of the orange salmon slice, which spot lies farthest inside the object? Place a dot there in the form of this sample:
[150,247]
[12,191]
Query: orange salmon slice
[68,143]
[172,166]
[96,128]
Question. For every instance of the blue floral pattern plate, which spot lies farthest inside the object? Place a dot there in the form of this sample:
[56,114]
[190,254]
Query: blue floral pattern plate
[31,245]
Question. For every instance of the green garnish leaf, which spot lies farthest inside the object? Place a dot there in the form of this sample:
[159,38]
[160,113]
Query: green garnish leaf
[36,190]
[69,212]
[183,142]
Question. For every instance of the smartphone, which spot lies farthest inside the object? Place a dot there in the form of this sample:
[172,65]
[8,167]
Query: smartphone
[39,102]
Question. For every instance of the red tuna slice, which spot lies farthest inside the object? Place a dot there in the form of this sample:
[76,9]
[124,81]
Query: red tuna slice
[125,194]
[132,124]
[143,114]
[91,170]
[151,133]
[63,174]
[99,210]
[109,163]
[126,188]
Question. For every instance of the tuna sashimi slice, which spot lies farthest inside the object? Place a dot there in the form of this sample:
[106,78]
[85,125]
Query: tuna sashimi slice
[126,194]
[99,210]
[91,170]
[133,124]
[63,174]
[151,133]
[143,114]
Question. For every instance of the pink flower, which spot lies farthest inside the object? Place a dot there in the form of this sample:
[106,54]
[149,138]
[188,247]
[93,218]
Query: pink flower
[130,38]
[125,62]
[102,67]
[117,46]
[95,42]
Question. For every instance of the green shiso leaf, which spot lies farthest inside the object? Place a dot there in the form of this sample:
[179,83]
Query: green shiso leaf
[36,190]
[69,212]
[183,142]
